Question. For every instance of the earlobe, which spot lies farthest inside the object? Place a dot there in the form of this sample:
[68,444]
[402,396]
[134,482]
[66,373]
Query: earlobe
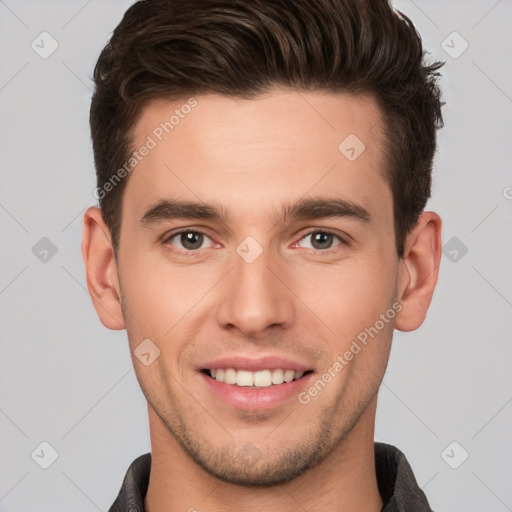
[419,271]
[101,270]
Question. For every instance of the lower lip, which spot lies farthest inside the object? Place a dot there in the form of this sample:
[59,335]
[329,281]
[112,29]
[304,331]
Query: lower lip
[252,398]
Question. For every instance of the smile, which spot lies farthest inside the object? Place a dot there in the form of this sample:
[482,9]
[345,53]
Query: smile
[258,379]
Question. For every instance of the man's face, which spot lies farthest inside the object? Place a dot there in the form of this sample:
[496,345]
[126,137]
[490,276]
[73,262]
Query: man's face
[258,291]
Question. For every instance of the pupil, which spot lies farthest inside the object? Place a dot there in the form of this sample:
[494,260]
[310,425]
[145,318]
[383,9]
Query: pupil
[322,238]
[190,240]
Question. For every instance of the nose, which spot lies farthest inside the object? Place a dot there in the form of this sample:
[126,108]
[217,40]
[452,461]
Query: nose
[253,299]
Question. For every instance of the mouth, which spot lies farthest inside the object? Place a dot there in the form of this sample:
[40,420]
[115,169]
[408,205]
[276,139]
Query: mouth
[249,383]
[255,379]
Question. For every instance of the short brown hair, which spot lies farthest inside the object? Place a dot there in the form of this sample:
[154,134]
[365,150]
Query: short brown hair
[178,48]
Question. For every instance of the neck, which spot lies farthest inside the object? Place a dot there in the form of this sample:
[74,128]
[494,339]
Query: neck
[344,481]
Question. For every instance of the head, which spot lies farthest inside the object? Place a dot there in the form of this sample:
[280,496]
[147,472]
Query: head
[293,142]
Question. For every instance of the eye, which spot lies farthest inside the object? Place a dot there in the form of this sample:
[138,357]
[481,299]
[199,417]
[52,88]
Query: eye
[322,240]
[188,240]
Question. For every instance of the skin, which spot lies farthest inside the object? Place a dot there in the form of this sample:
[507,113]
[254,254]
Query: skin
[296,300]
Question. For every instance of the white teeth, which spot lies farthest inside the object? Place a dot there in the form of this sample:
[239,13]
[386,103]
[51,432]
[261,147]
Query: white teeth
[260,379]
[288,375]
[230,376]
[277,377]
[244,378]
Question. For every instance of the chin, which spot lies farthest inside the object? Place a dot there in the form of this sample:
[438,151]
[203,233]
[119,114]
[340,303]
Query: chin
[259,473]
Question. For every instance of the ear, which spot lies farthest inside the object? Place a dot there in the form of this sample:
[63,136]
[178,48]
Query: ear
[418,272]
[101,269]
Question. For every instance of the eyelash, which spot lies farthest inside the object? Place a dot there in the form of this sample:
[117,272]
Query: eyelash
[194,252]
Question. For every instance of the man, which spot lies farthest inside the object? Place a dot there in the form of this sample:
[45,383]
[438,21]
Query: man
[263,169]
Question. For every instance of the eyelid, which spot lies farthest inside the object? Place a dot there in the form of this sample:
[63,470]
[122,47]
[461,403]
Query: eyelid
[167,237]
[342,239]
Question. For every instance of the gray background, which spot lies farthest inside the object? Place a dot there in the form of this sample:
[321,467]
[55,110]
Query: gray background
[66,380]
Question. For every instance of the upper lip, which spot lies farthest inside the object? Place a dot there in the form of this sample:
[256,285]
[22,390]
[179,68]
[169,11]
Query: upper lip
[255,364]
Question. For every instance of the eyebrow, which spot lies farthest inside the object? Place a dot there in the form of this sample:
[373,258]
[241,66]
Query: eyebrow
[311,208]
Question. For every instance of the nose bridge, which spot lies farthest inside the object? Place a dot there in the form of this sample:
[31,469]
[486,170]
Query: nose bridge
[253,298]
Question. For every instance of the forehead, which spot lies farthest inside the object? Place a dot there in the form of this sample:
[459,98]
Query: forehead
[275,148]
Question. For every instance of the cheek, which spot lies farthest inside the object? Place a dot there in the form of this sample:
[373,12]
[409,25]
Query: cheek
[156,305]
[159,298]
[164,301]
[350,297]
